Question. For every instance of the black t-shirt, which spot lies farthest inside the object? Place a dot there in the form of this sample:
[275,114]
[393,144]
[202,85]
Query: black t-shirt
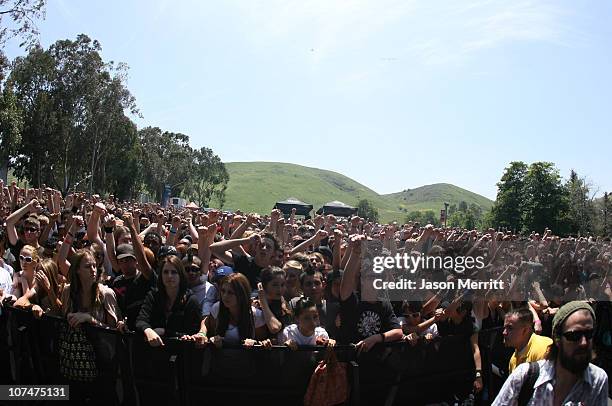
[184,318]
[360,320]
[277,309]
[465,328]
[246,265]
[131,293]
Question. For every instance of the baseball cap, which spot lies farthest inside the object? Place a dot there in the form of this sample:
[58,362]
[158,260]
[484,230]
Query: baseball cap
[125,251]
[166,250]
[220,273]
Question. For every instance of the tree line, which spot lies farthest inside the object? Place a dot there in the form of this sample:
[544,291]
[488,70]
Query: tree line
[529,198]
[65,123]
[533,197]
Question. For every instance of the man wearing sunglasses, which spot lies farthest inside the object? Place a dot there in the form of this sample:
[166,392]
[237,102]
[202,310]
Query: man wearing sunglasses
[566,375]
[30,230]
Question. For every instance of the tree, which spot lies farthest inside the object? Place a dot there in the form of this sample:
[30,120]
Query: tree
[545,199]
[366,210]
[11,123]
[507,210]
[581,213]
[606,214]
[423,217]
[167,160]
[208,178]
[18,19]
[75,102]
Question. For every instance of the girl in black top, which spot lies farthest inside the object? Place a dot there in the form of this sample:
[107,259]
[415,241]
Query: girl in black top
[169,311]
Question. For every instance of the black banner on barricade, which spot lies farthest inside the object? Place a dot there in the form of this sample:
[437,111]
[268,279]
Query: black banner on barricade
[181,374]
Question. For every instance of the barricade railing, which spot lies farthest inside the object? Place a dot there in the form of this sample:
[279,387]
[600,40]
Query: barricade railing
[179,373]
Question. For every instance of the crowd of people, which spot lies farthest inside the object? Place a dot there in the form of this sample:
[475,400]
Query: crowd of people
[220,278]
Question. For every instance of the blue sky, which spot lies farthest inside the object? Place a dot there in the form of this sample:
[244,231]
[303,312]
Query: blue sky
[394,94]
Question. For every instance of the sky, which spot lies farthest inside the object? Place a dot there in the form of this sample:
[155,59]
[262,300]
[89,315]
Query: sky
[394,94]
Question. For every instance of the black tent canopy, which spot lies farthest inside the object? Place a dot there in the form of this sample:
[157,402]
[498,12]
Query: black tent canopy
[337,209]
[301,208]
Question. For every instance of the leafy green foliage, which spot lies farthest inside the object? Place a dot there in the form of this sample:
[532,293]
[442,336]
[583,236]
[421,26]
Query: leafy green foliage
[11,123]
[208,179]
[507,212]
[531,198]
[423,217]
[366,210]
[74,120]
[65,124]
[545,199]
[18,19]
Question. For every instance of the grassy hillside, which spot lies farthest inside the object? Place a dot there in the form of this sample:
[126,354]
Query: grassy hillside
[256,186]
[428,196]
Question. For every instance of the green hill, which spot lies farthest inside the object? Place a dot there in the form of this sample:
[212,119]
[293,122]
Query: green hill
[256,186]
[434,196]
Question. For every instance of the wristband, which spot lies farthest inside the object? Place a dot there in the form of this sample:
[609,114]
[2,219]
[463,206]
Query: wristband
[201,334]
[108,230]
[172,230]
[75,209]
[70,234]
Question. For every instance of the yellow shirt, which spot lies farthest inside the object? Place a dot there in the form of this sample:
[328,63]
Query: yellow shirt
[534,351]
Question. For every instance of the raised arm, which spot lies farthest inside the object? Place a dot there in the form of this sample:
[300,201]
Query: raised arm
[337,249]
[66,247]
[15,216]
[352,270]
[206,237]
[222,249]
[319,235]
[274,325]
[239,231]
[93,227]
[143,264]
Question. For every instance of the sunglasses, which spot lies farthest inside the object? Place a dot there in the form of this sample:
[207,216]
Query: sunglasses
[26,259]
[31,229]
[577,335]
[193,269]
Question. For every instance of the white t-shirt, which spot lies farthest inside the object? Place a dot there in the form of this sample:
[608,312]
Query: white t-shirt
[433,329]
[292,332]
[204,292]
[232,336]
[6,279]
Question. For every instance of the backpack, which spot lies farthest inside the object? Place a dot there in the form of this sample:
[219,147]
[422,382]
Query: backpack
[527,388]
[329,383]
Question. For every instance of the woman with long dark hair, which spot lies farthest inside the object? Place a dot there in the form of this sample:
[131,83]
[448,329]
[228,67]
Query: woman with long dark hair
[169,311]
[233,319]
[271,298]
